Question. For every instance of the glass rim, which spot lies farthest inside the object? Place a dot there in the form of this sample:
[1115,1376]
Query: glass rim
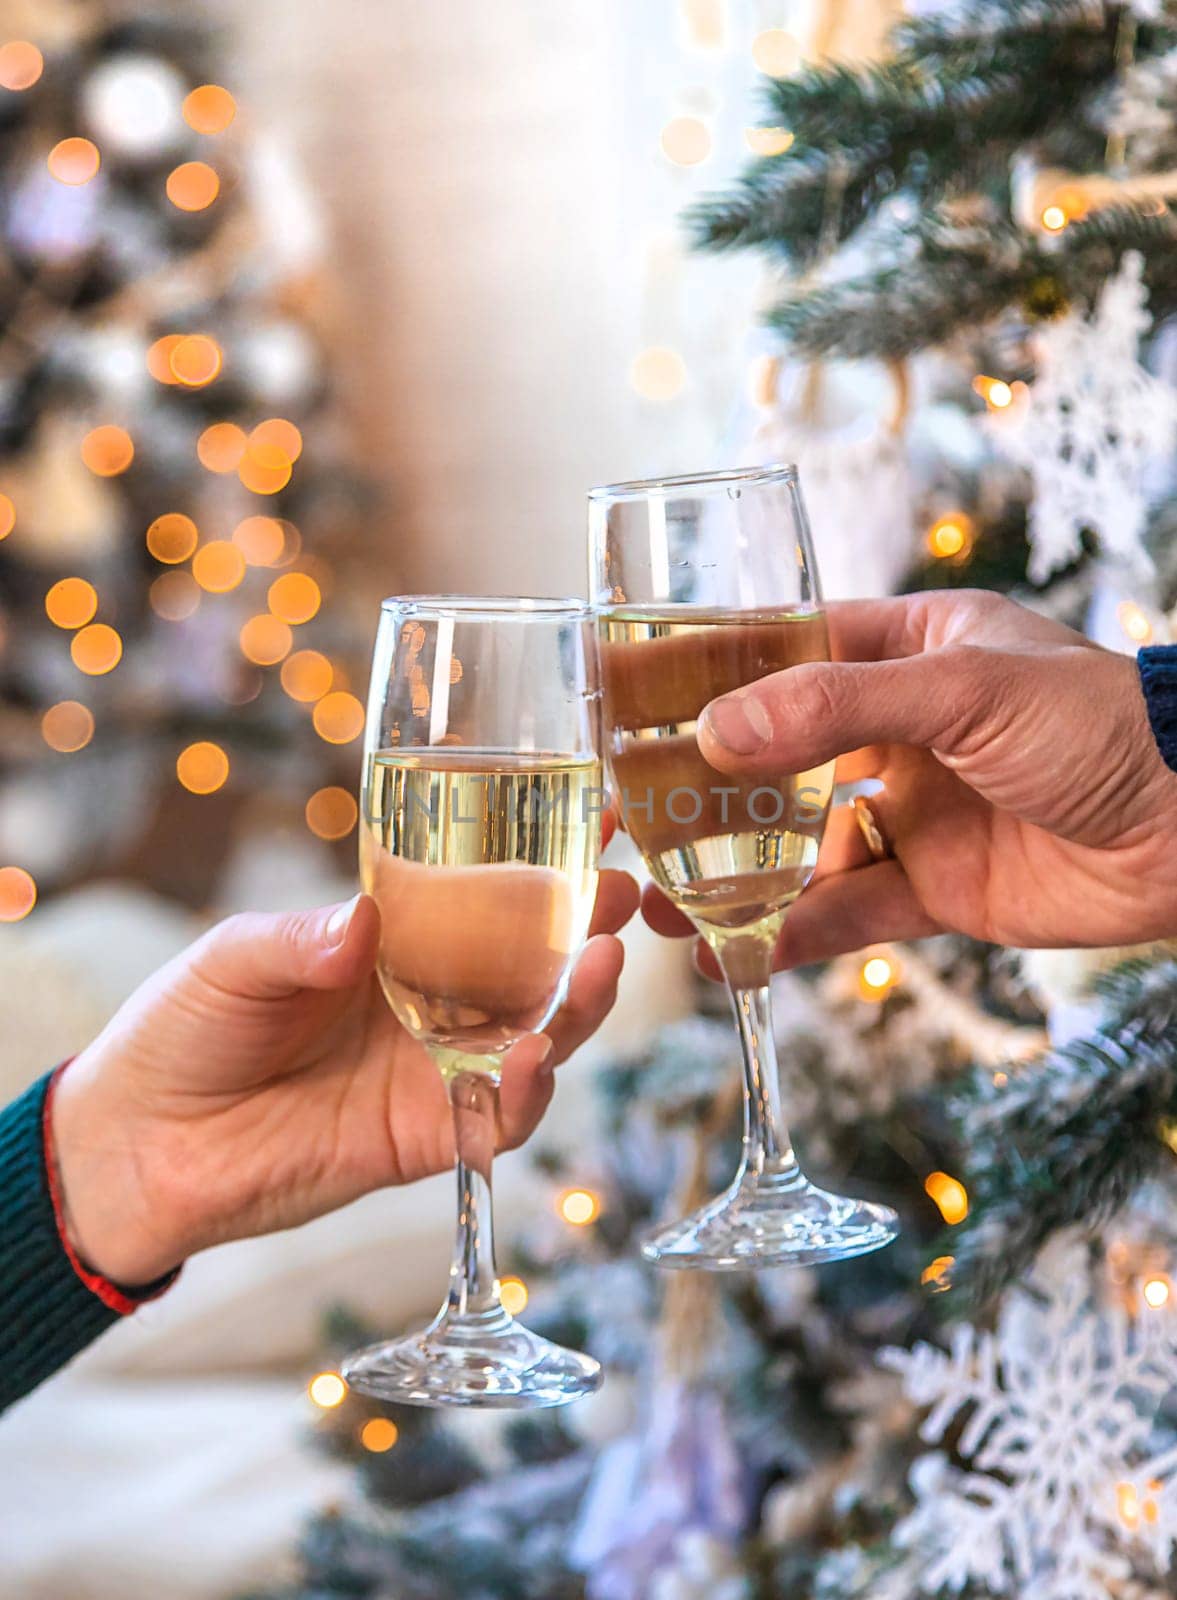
[720,478]
[515,608]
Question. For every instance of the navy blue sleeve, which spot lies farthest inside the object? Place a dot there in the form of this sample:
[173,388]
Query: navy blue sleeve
[1158,679]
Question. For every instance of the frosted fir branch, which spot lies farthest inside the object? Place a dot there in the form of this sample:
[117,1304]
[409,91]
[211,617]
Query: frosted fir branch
[1068,1138]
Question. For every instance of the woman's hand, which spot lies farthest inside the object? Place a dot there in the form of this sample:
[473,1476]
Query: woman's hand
[260,1079]
[1024,799]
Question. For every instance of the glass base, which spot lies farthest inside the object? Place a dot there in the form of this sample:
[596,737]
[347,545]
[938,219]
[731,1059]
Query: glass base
[772,1222]
[481,1359]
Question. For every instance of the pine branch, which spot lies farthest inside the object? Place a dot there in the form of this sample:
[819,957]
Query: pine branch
[1069,1137]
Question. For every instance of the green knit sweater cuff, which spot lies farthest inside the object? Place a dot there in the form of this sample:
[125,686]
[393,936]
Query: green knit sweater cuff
[47,1314]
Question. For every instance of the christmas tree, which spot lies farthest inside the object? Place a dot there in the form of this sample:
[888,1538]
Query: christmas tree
[171,470]
[986,1408]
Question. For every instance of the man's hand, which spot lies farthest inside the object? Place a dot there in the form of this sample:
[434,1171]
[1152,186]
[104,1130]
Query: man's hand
[1024,800]
[260,1079]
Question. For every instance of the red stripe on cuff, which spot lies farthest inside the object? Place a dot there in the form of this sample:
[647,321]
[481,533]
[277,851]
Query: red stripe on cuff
[109,1293]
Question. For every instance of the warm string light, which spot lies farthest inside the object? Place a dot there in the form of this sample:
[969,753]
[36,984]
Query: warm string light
[218,566]
[307,676]
[67,726]
[202,768]
[949,1196]
[1133,1508]
[338,717]
[776,52]
[1156,1292]
[21,65]
[579,1207]
[1054,218]
[261,540]
[951,537]
[379,1434]
[1134,622]
[265,640]
[18,894]
[7,516]
[172,538]
[327,1390]
[686,141]
[295,598]
[221,447]
[768,141]
[331,813]
[513,1293]
[209,108]
[995,392]
[96,649]
[192,186]
[71,603]
[878,975]
[159,358]
[74,161]
[174,596]
[937,1275]
[195,360]
[108,450]
[658,373]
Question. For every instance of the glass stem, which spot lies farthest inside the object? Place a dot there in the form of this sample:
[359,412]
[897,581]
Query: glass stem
[474,1284]
[768,1149]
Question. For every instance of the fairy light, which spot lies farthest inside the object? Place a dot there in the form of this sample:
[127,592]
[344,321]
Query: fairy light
[276,434]
[71,603]
[174,596]
[291,543]
[878,975]
[221,447]
[379,1434]
[264,471]
[936,1275]
[1134,622]
[995,392]
[768,141]
[7,516]
[1054,219]
[108,450]
[307,676]
[18,894]
[776,52]
[1156,1292]
[1000,1080]
[172,538]
[327,1390]
[513,1293]
[658,373]
[159,358]
[261,540]
[21,65]
[195,360]
[96,649]
[338,717]
[265,640]
[192,186]
[202,768]
[209,108]
[1128,1504]
[579,1207]
[67,726]
[332,813]
[218,566]
[951,536]
[686,141]
[74,161]
[295,598]
[949,1196]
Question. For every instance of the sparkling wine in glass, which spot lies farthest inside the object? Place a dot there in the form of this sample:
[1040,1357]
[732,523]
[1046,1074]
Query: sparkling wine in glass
[479,841]
[704,584]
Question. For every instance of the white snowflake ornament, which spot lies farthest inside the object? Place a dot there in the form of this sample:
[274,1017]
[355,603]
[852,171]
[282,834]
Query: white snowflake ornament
[1067,1489]
[1094,421]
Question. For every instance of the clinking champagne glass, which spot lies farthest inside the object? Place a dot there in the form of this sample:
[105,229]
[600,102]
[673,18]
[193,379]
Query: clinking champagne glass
[479,841]
[704,584]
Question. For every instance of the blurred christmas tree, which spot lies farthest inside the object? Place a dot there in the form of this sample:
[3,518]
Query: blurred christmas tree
[170,464]
[988,1408]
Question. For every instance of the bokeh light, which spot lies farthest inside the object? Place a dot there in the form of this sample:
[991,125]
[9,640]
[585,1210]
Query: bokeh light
[174,596]
[261,540]
[937,1275]
[1135,622]
[96,649]
[71,602]
[949,1195]
[878,975]
[307,676]
[658,373]
[265,640]
[951,535]
[108,450]
[192,186]
[339,717]
[1054,219]
[579,1207]
[209,108]
[327,1389]
[294,597]
[67,726]
[21,64]
[202,767]
[686,141]
[379,1434]
[277,436]
[1156,1293]
[332,813]
[74,161]
[218,566]
[18,893]
[172,538]
[195,360]
[221,446]
[513,1292]
[159,358]
[776,52]
[268,475]
[768,141]
[7,516]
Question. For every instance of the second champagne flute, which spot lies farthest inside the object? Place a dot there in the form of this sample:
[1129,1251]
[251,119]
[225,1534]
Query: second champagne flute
[704,584]
[479,841]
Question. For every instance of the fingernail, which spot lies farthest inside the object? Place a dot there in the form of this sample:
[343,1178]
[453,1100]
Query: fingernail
[545,1052]
[738,722]
[340,920]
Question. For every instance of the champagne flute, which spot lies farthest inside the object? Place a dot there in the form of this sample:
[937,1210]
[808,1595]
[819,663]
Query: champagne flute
[705,583]
[479,841]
